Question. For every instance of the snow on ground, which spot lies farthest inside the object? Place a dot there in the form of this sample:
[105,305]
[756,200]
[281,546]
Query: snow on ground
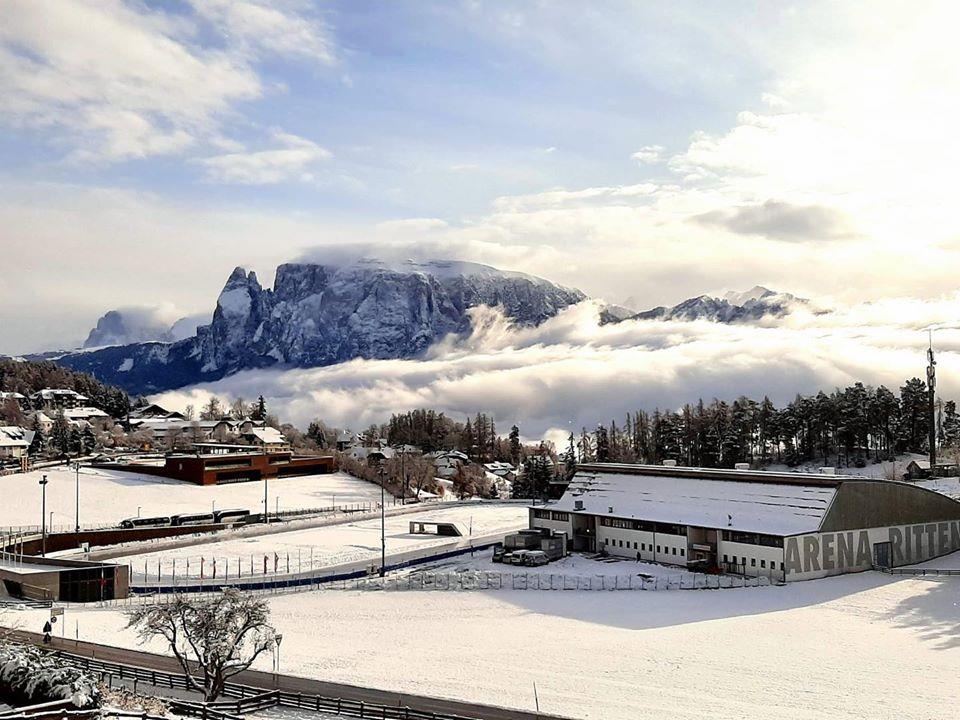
[855,646]
[892,470]
[107,496]
[335,544]
[948,486]
[945,562]
[571,566]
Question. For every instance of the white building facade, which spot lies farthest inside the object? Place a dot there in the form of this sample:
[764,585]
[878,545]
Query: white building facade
[784,526]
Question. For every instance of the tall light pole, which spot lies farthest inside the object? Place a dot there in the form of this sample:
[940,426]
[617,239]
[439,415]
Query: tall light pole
[43,516]
[931,399]
[266,502]
[383,525]
[77,468]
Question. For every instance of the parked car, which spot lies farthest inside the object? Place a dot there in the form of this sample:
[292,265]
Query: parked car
[518,557]
[535,557]
[500,554]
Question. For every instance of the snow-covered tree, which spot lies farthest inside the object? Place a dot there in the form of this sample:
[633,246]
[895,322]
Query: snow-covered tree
[222,636]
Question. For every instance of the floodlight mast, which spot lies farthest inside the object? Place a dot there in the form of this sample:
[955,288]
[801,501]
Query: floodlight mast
[931,400]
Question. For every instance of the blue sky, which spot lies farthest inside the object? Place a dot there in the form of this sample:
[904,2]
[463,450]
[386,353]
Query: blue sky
[653,150]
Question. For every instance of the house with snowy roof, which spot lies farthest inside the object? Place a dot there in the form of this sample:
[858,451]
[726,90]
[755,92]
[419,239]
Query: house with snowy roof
[14,441]
[268,438]
[57,399]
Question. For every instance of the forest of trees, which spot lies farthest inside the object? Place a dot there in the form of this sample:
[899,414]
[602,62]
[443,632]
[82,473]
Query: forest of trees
[29,377]
[850,426]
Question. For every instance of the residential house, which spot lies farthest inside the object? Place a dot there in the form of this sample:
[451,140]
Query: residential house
[14,441]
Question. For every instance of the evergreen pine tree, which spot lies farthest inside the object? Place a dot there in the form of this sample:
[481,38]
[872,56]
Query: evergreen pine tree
[515,446]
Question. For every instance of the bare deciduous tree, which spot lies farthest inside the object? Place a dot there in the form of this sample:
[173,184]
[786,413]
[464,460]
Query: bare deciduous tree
[216,637]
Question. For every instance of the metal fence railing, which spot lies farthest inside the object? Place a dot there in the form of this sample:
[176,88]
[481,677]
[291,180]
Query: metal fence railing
[248,699]
[483,580]
[918,571]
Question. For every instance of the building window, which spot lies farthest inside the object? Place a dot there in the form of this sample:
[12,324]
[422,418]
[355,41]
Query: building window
[781,566]
[561,516]
[658,548]
[621,543]
[541,514]
[682,551]
[606,541]
[725,559]
[753,562]
[674,550]
[744,562]
[763,563]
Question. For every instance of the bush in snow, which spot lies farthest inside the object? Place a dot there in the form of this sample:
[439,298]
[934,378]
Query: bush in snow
[29,675]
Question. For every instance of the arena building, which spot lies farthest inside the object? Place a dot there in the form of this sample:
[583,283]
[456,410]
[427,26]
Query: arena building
[788,526]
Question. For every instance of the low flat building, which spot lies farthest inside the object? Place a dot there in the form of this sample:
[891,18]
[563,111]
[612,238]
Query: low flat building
[38,578]
[788,526]
[217,464]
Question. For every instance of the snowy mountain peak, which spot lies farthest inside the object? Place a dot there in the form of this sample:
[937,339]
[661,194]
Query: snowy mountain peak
[321,313]
[749,306]
[757,292]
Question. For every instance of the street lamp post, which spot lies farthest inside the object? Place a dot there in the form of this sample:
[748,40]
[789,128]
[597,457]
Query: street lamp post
[77,524]
[383,525]
[43,515]
[278,638]
[266,501]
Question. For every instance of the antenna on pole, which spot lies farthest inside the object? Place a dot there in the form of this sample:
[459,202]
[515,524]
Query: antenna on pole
[932,394]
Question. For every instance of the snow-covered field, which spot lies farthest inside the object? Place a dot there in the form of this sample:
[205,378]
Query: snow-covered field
[333,544]
[854,646]
[572,566]
[887,470]
[107,496]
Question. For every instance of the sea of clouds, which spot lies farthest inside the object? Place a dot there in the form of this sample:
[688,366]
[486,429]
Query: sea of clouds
[572,372]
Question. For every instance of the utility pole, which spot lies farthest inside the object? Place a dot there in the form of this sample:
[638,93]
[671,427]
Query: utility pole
[77,528]
[383,525]
[43,515]
[266,502]
[932,394]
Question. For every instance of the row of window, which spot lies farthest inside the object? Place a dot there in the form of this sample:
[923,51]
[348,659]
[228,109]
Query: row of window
[643,525]
[551,515]
[643,547]
[732,560]
[752,538]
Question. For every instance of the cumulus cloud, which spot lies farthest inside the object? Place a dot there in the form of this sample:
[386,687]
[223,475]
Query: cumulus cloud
[571,373]
[781,221]
[117,81]
[277,27]
[292,161]
[649,154]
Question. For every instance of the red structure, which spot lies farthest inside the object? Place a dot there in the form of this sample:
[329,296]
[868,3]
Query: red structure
[242,466]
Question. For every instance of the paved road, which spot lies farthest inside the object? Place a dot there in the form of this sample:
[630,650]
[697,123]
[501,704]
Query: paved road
[290,683]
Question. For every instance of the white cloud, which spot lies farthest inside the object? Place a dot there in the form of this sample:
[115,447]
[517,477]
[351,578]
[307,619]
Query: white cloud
[123,83]
[275,27]
[649,154]
[570,372]
[290,162]
[114,81]
[412,225]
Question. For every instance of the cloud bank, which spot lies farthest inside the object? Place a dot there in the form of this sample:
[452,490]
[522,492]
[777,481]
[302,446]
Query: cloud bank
[570,372]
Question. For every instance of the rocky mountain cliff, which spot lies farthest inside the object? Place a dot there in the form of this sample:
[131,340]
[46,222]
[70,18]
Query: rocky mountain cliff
[320,315]
[750,306]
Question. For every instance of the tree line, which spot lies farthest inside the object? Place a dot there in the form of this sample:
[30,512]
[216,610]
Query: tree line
[850,426]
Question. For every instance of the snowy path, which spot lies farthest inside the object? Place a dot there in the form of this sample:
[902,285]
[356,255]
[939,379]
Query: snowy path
[856,646]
